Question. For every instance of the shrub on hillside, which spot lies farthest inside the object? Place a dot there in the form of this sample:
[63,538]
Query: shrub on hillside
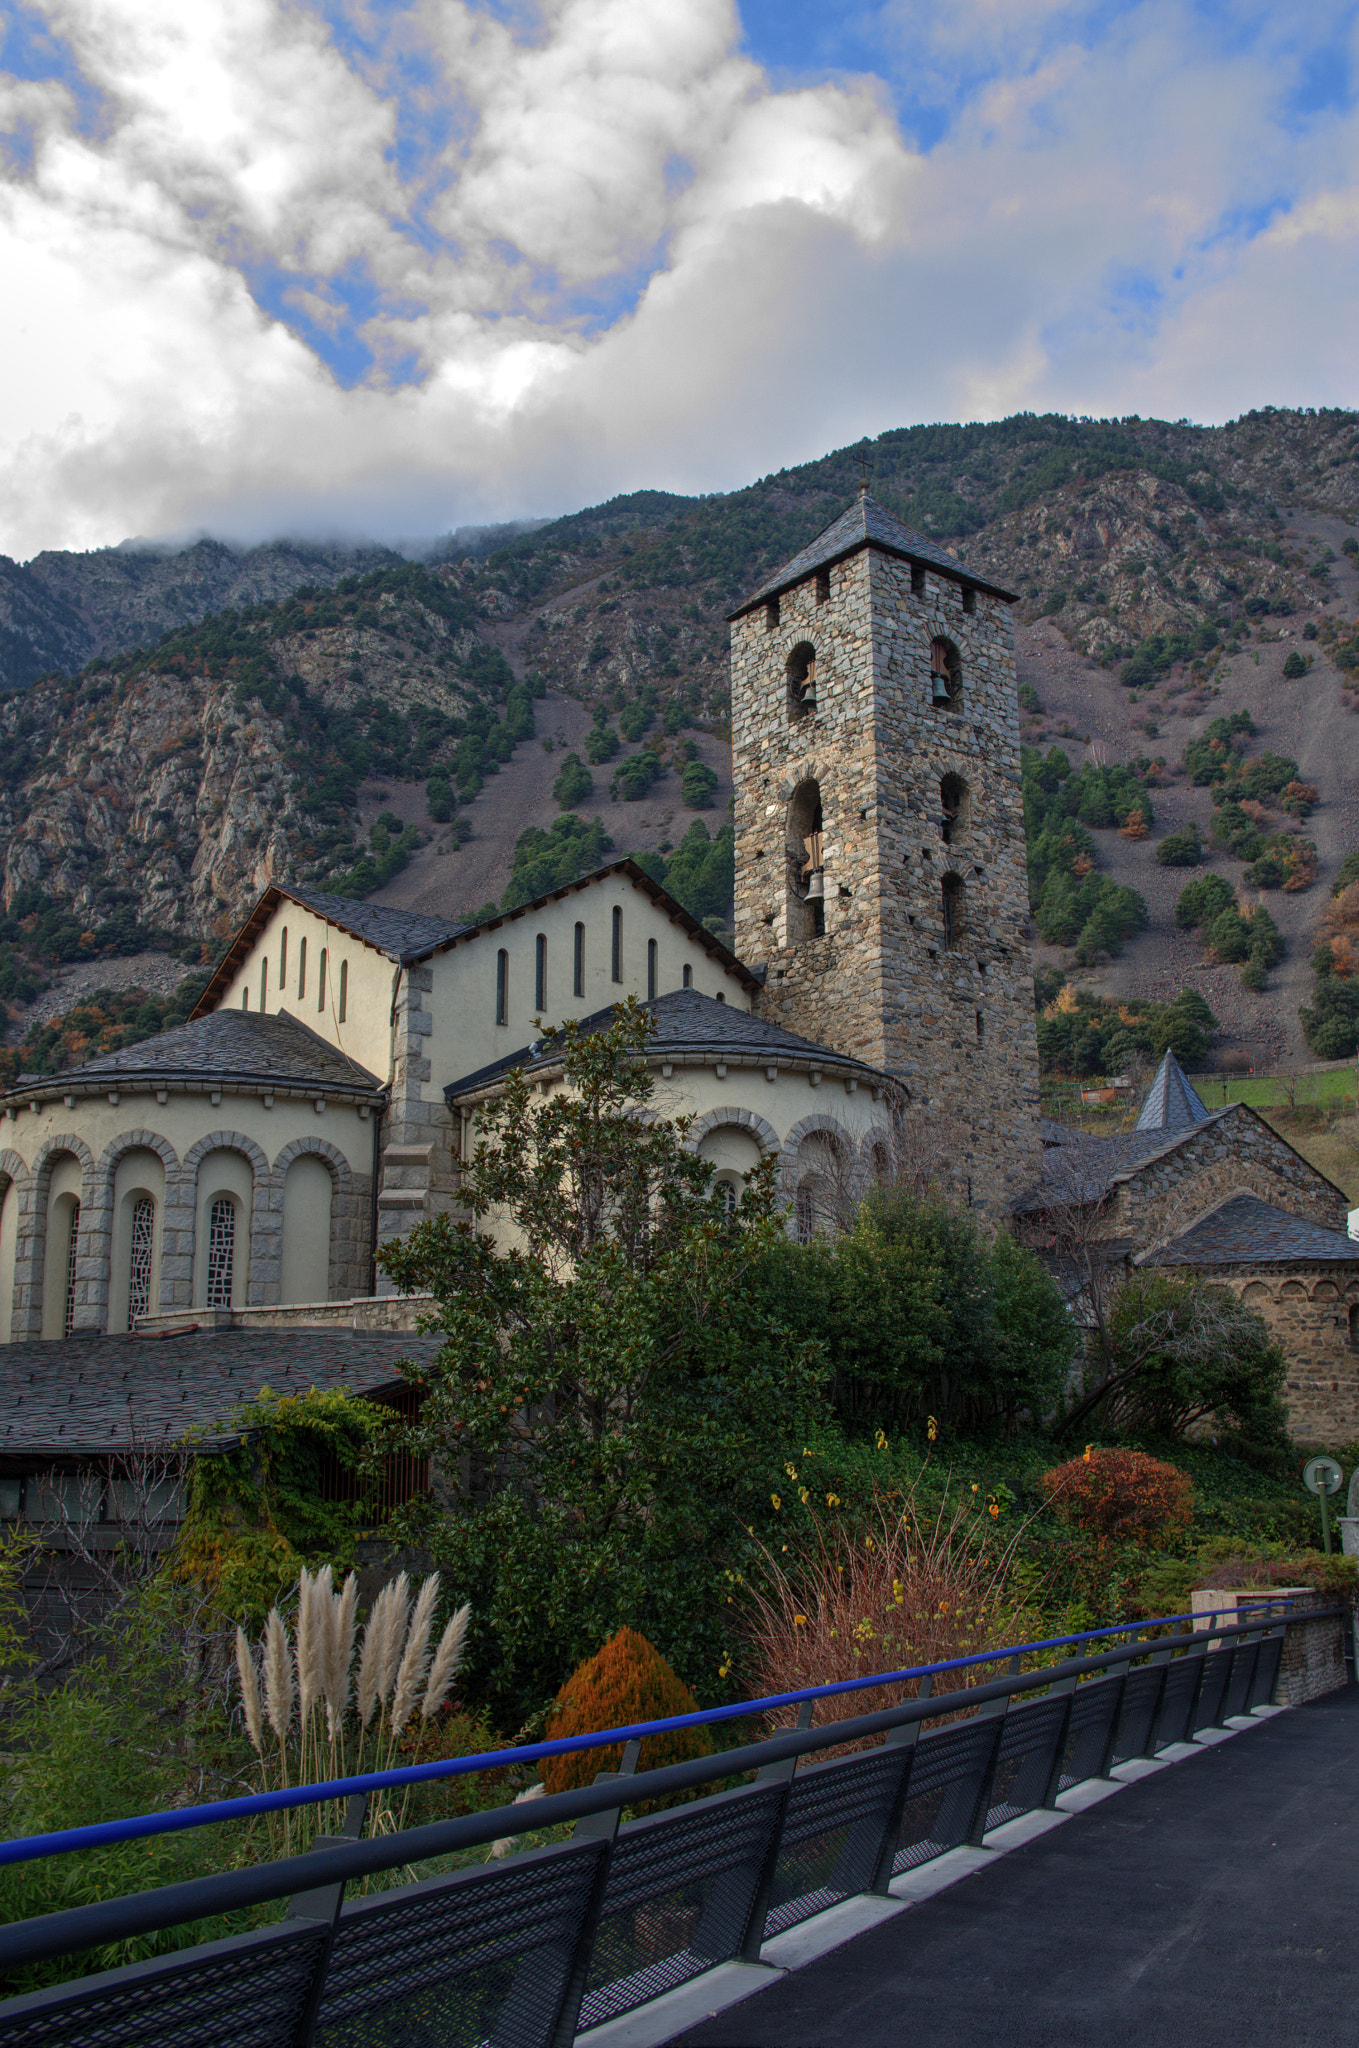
[1122,1497]
[625,1682]
[1182,849]
[574,783]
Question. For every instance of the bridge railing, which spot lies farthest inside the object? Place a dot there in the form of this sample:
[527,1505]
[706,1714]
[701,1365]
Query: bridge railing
[531,1949]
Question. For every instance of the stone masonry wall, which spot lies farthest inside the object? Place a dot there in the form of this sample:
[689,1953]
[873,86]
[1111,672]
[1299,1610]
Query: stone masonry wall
[955,1024]
[1308,1310]
[1235,1154]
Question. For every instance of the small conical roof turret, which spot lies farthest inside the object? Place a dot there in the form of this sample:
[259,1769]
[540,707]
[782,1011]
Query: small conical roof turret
[1171,1103]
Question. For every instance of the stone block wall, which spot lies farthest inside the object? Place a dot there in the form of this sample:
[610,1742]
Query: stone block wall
[954,1022]
[1307,1309]
[1236,1154]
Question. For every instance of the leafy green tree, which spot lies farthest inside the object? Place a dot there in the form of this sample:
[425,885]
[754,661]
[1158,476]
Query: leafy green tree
[1182,849]
[698,786]
[549,860]
[574,783]
[601,744]
[615,1396]
[1294,666]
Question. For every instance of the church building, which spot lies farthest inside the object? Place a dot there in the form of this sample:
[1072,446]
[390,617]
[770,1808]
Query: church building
[241,1171]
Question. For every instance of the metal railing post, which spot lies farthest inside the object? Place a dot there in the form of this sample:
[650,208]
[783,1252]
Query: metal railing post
[323,1903]
[595,1827]
[1106,1762]
[997,1711]
[773,1774]
[904,1739]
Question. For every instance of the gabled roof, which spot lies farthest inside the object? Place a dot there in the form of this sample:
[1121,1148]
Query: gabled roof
[1171,1103]
[229,1046]
[689,1027]
[864,524]
[405,936]
[1246,1231]
[83,1396]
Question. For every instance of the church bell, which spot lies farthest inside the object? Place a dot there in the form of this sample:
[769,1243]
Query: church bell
[941,693]
[816,885]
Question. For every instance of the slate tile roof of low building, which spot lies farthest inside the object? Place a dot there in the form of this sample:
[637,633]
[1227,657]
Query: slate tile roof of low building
[1079,1166]
[1171,1104]
[687,1023]
[866,523]
[225,1047]
[84,1396]
[1246,1231]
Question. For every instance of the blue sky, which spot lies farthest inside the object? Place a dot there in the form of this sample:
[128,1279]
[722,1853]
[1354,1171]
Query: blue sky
[387,268]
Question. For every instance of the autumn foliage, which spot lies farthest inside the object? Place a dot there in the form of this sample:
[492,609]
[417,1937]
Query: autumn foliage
[625,1682]
[1122,1497]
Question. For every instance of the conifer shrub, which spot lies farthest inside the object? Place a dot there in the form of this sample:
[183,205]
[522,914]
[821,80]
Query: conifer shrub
[1122,1497]
[627,1681]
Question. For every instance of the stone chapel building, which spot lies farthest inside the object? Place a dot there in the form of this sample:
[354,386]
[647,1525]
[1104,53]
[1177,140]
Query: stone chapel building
[239,1172]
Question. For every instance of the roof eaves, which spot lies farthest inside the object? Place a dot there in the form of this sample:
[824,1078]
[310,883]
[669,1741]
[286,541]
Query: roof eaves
[951,567]
[235,953]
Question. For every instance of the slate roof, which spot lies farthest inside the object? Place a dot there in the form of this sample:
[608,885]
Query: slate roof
[1246,1231]
[225,1047]
[81,1396]
[403,935]
[687,1022]
[1171,1103]
[863,524]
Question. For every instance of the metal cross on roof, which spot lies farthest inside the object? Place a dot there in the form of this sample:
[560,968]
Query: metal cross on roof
[865,462]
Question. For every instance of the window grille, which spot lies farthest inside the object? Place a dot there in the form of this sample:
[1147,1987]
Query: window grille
[221,1251]
[139,1262]
[68,1320]
[804,1215]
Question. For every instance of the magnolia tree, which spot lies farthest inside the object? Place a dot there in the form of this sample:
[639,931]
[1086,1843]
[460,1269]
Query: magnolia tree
[609,1395]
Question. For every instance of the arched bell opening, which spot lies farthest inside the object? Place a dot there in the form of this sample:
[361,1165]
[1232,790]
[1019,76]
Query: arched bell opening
[954,810]
[806,866]
[946,675]
[802,682]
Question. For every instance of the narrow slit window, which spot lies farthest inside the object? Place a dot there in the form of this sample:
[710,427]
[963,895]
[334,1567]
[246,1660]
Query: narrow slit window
[221,1251]
[245,999]
[502,987]
[981,1027]
[617,943]
[951,901]
[823,586]
[771,614]
[301,969]
[540,973]
[917,580]
[652,959]
[264,986]
[73,1252]
[579,973]
[283,961]
[321,981]
[139,1260]
[688,975]
[969,599]
[344,989]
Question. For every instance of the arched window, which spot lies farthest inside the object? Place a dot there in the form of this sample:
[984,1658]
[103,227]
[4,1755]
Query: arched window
[953,904]
[502,987]
[579,964]
[955,817]
[540,973]
[688,975]
[652,964]
[68,1317]
[344,989]
[245,999]
[946,676]
[283,961]
[804,1214]
[801,681]
[729,1198]
[139,1259]
[617,943]
[221,1251]
[806,877]
[301,969]
[264,985]
[321,982]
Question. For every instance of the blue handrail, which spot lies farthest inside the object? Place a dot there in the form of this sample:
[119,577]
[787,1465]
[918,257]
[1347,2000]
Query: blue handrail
[101,1834]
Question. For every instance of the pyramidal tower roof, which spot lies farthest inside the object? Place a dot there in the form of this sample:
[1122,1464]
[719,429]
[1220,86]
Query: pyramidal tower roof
[865,524]
[1171,1103]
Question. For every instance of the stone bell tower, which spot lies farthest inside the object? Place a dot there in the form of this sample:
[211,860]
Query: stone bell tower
[880,872]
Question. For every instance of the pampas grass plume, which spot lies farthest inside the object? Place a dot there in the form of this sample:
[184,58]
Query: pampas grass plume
[415,1659]
[313,1636]
[447,1658]
[250,1692]
[340,1653]
[504,1843]
[278,1675]
[394,1635]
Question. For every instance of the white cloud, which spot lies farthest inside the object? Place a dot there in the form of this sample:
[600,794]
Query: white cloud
[627,259]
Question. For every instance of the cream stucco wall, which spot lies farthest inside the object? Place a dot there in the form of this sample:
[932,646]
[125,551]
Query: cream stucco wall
[313,997]
[307,1199]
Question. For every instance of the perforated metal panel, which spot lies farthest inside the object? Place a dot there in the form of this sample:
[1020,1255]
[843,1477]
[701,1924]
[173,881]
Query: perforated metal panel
[1267,1670]
[1028,1746]
[1216,1672]
[482,1956]
[1137,1713]
[1177,1701]
[832,1833]
[1093,1708]
[247,1992]
[945,1785]
[1236,1695]
[679,1896]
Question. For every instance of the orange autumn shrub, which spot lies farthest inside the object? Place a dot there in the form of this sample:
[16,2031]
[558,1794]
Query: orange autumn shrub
[625,1682]
[1122,1497]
